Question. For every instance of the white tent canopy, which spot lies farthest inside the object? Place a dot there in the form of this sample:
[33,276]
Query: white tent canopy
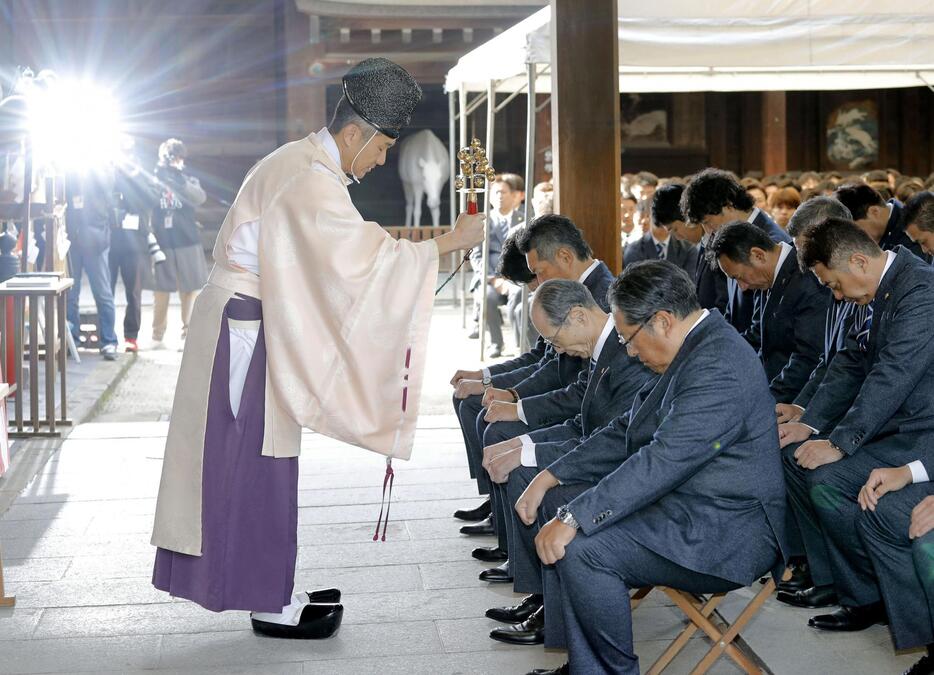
[734,45]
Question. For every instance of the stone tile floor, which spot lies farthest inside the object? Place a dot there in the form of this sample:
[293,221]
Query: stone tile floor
[76,553]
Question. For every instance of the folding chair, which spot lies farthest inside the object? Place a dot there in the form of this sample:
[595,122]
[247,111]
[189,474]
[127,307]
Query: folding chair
[702,614]
[5,601]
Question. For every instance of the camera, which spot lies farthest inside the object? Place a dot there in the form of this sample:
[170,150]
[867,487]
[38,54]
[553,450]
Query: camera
[154,251]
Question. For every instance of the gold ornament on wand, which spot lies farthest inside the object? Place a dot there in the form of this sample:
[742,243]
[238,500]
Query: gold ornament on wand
[476,173]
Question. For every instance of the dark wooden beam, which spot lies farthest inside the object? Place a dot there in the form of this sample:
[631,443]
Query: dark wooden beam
[774,133]
[585,121]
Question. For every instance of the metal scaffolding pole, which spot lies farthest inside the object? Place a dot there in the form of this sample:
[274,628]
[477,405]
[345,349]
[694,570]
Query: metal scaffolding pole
[529,180]
[490,122]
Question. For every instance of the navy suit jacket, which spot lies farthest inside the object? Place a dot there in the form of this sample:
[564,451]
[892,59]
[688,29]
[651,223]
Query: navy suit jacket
[575,451]
[680,253]
[556,371]
[702,484]
[710,283]
[741,304]
[788,328]
[895,234]
[837,323]
[887,391]
[496,234]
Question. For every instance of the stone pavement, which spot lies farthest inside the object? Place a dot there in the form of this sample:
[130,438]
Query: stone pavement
[76,552]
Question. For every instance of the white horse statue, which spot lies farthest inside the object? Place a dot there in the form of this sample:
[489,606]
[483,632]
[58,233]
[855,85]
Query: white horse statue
[424,167]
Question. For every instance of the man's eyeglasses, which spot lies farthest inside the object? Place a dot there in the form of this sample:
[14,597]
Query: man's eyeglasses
[551,340]
[624,342]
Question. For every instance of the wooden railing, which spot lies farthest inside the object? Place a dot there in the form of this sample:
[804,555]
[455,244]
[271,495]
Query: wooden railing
[421,234]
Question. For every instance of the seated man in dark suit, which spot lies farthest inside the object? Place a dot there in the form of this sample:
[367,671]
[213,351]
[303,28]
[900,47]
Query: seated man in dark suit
[575,324]
[554,249]
[882,220]
[788,327]
[880,387]
[919,221]
[658,244]
[714,198]
[897,531]
[699,502]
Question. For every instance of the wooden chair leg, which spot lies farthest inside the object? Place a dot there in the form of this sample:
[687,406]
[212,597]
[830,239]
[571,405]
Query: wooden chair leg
[699,606]
[4,600]
[638,597]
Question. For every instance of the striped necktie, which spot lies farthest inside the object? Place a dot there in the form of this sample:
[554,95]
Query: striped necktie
[659,251]
[862,337]
[593,364]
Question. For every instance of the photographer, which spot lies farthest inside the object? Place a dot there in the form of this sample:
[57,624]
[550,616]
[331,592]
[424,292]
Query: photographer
[135,195]
[177,232]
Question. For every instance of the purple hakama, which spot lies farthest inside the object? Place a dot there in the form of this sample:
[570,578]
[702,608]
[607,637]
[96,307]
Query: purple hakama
[249,513]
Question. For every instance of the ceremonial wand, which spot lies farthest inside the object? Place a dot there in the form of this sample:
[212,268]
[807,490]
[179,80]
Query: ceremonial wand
[476,173]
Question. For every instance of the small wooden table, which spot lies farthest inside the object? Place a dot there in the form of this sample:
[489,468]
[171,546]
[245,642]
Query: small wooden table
[56,331]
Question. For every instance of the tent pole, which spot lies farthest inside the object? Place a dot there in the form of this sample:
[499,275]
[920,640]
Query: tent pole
[490,122]
[452,153]
[529,181]
[462,106]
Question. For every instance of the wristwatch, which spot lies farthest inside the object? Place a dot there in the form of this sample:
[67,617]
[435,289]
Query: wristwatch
[487,381]
[566,517]
[515,395]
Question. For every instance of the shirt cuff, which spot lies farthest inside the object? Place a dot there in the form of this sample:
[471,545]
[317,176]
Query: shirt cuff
[520,412]
[809,427]
[486,373]
[527,458]
[918,473]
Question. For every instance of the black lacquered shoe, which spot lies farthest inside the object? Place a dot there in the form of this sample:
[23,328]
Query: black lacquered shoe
[325,596]
[490,554]
[850,619]
[517,613]
[810,598]
[473,515]
[529,632]
[316,623]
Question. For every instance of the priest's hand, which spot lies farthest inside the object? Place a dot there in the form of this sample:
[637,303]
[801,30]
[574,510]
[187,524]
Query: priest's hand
[469,229]
[813,454]
[881,481]
[531,499]
[491,451]
[494,394]
[788,412]
[793,432]
[552,539]
[467,388]
[500,411]
[466,375]
[502,465]
[922,518]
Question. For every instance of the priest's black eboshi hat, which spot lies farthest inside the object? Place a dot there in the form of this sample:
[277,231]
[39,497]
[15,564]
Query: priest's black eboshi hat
[383,93]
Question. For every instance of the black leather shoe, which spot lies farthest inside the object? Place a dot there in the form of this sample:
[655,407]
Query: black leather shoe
[326,595]
[473,515]
[529,632]
[481,529]
[517,613]
[497,575]
[923,667]
[491,554]
[810,598]
[563,670]
[800,580]
[317,622]
[850,619]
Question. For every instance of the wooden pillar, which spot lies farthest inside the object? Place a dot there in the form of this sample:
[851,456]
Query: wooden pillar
[774,133]
[585,121]
[306,86]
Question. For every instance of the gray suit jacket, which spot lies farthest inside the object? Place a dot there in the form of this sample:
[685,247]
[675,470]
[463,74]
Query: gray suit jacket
[887,390]
[702,484]
[837,323]
[788,328]
[497,233]
[680,253]
[572,451]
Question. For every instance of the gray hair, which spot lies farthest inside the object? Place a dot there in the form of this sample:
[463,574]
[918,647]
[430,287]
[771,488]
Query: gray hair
[557,297]
[344,115]
[815,210]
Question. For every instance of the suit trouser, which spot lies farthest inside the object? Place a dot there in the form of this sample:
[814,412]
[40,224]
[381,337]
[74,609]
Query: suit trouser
[498,432]
[127,260]
[467,410]
[832,490]
[594,580]
[514,309]
[494,319]
[904,567]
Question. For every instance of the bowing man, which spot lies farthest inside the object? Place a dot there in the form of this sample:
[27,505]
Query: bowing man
[714,198]
[881,388]
[574,324]
[788,326]
[897,531]
[699,502]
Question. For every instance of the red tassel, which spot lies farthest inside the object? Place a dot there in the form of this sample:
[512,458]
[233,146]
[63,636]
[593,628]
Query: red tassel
[384,503]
